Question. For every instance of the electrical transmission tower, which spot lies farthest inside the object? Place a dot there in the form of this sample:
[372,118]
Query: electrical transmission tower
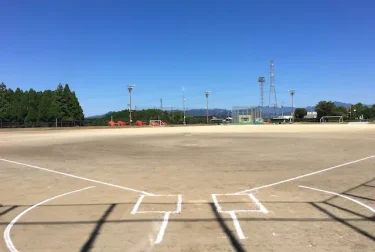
[261,81]
[272,98]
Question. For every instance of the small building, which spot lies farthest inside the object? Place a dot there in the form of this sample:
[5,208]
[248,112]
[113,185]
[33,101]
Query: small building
[311,115]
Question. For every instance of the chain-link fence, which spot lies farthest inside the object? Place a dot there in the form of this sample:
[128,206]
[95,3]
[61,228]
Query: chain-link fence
[243,115]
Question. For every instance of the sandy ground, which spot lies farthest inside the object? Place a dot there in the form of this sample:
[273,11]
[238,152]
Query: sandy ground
[194,162]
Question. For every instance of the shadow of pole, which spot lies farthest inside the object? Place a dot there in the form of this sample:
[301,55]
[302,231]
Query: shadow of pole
[356,229]
[235,243]
[90,242]
[353,188]
[8,210]
[349,211]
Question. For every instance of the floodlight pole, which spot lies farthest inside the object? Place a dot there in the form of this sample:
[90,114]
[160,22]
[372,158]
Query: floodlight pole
[130,88]
[207,93]
[184,103]
[292,92]
[261,81]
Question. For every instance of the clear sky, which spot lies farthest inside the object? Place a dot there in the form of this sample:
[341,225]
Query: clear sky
[322,49]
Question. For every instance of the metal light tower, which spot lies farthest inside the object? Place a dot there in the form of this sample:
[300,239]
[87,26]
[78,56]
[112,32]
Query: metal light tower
[130,88]
[272,98]
[207,93]
[261,81]
[184,103]
[292,92]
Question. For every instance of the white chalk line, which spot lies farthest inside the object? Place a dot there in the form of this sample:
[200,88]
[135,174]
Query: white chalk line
[167,214]
[7,238]
[342,196]
[260,205]
[232,213]
[305,175]
[136,206]
[237,225]
[217,205]
[77,177]
[162,228]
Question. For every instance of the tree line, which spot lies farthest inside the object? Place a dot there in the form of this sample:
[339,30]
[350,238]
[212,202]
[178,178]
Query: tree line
[171,117]
[32,108]
[328,108]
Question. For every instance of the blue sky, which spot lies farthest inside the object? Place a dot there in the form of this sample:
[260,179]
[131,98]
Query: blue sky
[322,49]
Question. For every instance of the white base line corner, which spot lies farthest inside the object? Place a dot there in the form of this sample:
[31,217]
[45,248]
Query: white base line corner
[340,195]
[7,238]
[305,175]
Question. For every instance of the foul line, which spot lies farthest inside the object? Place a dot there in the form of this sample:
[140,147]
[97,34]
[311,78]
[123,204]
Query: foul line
[162,229]
[306,175]
[342,196]
[7,238]
[78,177]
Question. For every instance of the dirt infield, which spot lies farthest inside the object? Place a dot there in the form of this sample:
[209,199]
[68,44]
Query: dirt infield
[219,188]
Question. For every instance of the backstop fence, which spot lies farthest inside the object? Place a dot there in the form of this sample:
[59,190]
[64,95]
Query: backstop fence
[242,115]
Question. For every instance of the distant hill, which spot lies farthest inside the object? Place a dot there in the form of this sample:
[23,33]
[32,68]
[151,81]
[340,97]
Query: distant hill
[228,112]
[95,117]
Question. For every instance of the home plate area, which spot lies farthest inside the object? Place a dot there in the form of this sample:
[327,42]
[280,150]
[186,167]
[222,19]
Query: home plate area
[160,204]
[167,205]
[234,204]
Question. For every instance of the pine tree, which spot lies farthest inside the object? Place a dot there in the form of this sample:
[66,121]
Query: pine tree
[77,111]
[61,102]
[32,107]
[68,113]
[19,106]
[4,103]
[48,109]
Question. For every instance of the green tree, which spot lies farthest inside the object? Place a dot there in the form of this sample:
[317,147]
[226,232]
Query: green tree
[48,109]
[69,102]
[61,102]
[358,110]
[341,111]
[325,108]
[300,113]
[4,103]
[372,111]
[18,108]
[32,107]
[76,109]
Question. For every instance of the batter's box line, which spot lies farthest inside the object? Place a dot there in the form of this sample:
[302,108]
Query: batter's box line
[232,213]
[178,210]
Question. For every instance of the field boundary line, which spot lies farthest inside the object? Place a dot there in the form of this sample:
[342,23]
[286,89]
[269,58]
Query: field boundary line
[78,177]
[305,175]
[340,195]
[7,238]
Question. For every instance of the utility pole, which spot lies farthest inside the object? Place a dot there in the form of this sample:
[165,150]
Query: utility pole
[207,93]
[184,103]
[282,108]
[130,88]
[161,104]
[272,98]
[292,92]
[261,81]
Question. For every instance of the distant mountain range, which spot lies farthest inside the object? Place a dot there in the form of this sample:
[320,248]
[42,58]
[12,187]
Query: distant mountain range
[228,112]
